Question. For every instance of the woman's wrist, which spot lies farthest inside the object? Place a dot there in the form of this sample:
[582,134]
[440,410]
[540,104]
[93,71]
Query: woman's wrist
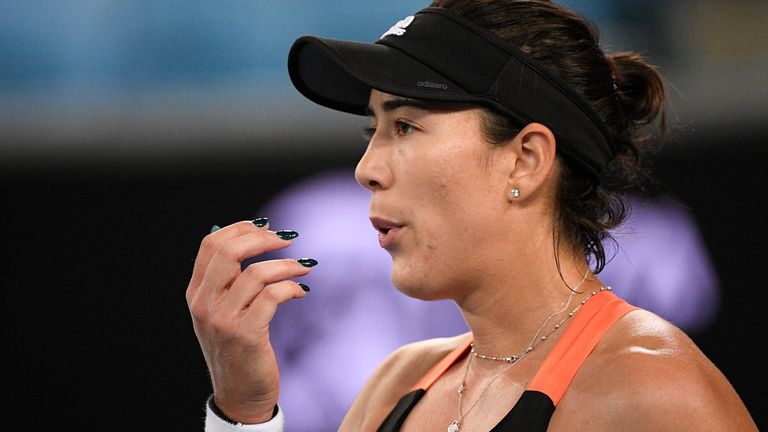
[254,420]
[218,421]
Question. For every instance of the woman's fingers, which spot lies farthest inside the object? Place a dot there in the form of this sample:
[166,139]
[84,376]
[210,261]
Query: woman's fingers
[213,241]
[225,264]
[262,309]
[222,293]
[249,286]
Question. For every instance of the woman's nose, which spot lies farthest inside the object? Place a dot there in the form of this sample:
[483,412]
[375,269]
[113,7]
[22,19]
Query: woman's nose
[372,171]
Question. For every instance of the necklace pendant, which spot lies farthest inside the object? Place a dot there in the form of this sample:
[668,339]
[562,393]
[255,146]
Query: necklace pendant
[455,426]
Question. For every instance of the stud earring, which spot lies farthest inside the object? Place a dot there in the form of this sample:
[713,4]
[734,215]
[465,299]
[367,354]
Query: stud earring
[514,193]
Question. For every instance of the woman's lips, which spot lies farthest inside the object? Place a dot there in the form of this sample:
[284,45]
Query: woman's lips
[389,238]
[389,231]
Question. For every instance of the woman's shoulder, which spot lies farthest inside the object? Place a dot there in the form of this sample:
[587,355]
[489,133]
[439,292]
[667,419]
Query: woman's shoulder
[410,362]
[402,369]
[395,377]
[648,374]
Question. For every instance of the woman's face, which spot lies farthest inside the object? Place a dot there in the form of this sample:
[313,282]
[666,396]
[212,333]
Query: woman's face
[438,195]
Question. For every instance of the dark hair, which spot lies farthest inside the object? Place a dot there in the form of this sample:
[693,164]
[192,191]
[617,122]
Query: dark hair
[623,89]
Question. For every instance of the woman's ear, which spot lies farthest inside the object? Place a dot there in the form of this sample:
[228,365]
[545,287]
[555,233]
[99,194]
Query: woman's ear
[535,155]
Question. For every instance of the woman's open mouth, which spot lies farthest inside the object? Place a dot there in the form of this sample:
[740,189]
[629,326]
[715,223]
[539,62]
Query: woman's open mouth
[388,231]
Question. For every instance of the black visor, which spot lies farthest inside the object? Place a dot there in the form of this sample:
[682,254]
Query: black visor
[437,55]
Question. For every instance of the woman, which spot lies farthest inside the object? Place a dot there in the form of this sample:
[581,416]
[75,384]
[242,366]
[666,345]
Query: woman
[499,136]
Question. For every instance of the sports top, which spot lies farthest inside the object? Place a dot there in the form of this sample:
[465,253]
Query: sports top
[536,405]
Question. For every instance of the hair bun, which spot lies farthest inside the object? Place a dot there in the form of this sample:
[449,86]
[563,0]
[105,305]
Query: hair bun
[640,90]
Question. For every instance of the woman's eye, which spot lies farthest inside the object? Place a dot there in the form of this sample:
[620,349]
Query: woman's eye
[403,128]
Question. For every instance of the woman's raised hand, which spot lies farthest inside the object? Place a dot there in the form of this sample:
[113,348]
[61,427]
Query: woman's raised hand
[231,311]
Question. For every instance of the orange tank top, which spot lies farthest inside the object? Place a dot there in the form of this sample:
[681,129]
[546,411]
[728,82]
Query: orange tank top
[534,409]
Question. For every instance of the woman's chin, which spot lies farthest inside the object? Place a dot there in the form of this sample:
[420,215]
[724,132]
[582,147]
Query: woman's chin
[414,287]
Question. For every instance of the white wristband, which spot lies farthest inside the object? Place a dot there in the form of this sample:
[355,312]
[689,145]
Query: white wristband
[214,423]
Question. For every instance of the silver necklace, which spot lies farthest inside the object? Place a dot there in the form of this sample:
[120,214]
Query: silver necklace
[455,425]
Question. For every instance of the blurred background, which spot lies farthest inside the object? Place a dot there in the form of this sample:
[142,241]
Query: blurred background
[128,128]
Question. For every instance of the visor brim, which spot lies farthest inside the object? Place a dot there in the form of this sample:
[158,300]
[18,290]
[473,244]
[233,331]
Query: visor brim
[340,74]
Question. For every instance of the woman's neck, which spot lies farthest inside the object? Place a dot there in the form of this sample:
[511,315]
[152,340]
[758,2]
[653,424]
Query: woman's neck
[506,310]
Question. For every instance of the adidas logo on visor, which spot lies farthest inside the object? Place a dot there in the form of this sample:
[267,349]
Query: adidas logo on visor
[432,85]
[399,28]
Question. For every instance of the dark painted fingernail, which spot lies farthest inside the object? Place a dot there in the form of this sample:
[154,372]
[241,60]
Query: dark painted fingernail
[215,228]
[287,234]
[307,262]
[260,222]
[304,287]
